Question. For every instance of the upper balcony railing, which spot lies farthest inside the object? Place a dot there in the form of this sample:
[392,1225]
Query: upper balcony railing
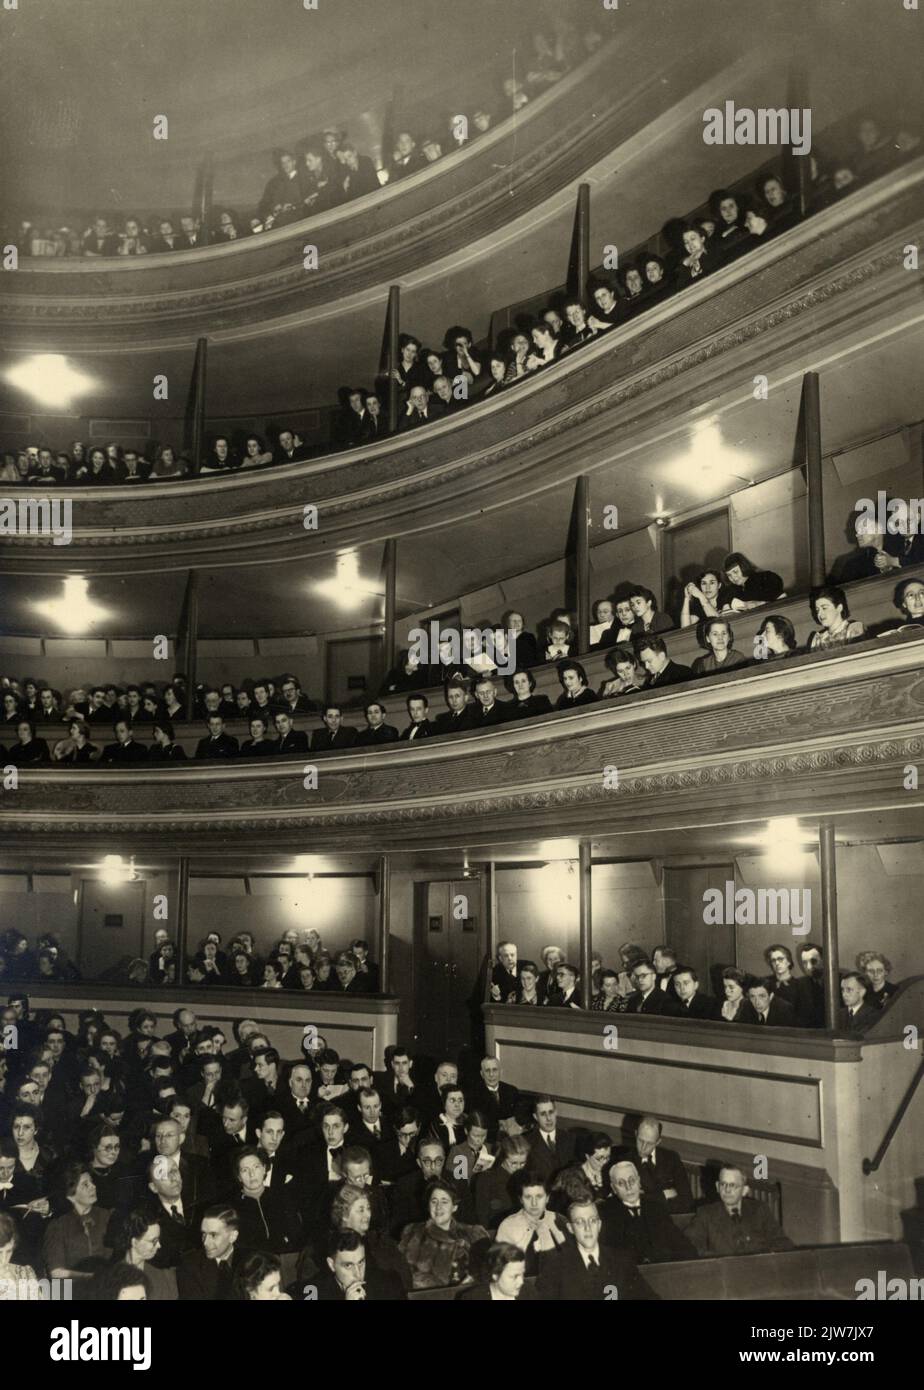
[785,298]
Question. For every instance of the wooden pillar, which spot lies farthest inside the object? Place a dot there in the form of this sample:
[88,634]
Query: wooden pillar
[828,858]
[190,631]
[579,260]
[204,208]
[384,942]
[393,329]
[490,910]
[811,439]
[797,171]
[195,440]
[391,610]
[585,918]
[582,559]
[181,917]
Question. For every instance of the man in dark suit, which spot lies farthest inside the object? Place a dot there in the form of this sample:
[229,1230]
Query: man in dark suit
[660,1170]
[290,740]
[690,1002]
[396,1083]
[294,1103]
[488,709]
[171,1207]
[218,744]
[195,1172]
[495,1098]
[551,1147]
[407,158]
[648,999]
[770,1008]
[640,1224]
[289,450]
[294,701]
[652,652]
[418,708]
[125,749]
[583,1270]
[505,981]
[408,1191]
[736,1224]
[207,1275]
[419,410]
[376,730]
[664,960]
[183,1038]
[285,193]
[856,1015]
[359,176]
[458,715]
[812,1011]
[101,241]
[349,1277]
[335,734]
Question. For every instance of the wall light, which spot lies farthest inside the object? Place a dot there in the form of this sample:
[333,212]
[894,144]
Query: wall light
[74,610]
[708,463]
[787,846]
[50,379]
[113,870]
[347,588]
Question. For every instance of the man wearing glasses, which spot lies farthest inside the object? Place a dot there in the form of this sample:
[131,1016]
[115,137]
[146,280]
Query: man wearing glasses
[736,1224]
[648,999]
[583,1270]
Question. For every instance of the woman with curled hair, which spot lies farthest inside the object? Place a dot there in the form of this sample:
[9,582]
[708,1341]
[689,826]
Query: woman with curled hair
[439,1249]
[76,748]
[716,637]
[835,626]
[876,967]
[776,637]
[29,751]
[259,1280]
[574,688]
[352,1211]
[628,673]
[504,1266]
[522,685]
[702,598]
[737,1008]
[136,1243]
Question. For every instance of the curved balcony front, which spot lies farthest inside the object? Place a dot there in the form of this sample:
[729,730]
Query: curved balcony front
[815,735]
[829,288]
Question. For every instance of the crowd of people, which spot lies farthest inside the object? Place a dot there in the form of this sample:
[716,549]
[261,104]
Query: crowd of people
[168,1165]
[325,172]
[141,718]
[435,382]
[660,983]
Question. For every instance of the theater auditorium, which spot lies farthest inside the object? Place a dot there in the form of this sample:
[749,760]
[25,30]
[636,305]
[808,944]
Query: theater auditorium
[538,384]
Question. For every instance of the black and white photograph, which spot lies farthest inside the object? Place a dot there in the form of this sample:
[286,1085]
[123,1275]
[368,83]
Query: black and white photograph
[537,383]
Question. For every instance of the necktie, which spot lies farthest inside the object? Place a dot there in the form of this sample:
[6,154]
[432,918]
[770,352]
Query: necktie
[761,1018]
[591,1262]
[736,1216]
[549,1143]
[634,1211]
[176,1213]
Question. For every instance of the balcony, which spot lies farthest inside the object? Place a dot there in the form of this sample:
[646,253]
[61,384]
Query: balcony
[830,290]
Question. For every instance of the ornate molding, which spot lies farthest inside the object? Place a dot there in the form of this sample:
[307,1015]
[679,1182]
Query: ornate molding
[860,712]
